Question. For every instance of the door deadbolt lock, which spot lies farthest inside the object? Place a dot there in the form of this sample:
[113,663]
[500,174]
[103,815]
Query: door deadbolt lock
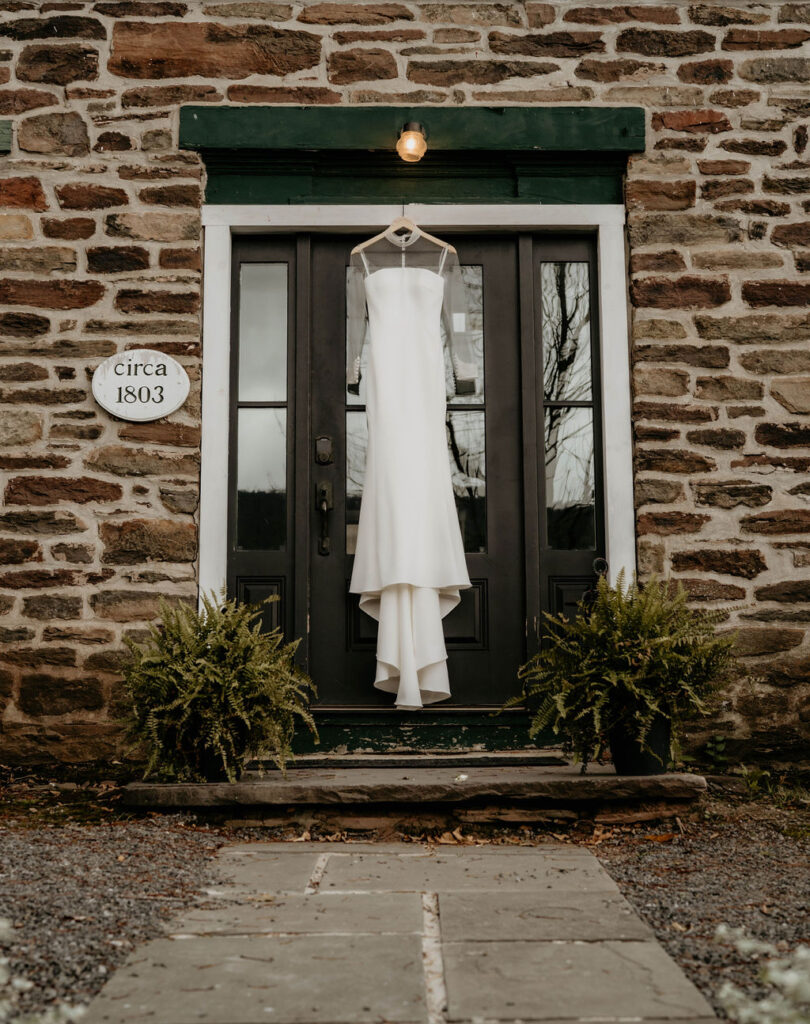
[324,450]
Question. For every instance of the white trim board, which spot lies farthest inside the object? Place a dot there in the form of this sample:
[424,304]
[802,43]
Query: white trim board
[221,221]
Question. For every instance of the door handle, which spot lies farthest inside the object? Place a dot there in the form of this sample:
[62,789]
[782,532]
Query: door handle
[323,503]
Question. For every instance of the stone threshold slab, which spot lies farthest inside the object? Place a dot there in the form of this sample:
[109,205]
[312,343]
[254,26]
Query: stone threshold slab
[544,785]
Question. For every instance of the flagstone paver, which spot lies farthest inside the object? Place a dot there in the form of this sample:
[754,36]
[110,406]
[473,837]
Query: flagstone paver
[340,933]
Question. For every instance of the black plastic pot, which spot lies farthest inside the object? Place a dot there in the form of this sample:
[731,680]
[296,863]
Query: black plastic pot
[630,759]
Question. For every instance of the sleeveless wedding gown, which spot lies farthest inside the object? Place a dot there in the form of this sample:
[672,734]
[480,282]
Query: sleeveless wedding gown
[409,563]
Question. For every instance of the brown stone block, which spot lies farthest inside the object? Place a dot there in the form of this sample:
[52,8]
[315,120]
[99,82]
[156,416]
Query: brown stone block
[776,293]
[42,396]
[39,579]
[672,412]
[360,65]
[662,43]
[45,695]
[682,229]
[793,394]
[19,426]
[77,635]
[57,65]
[724,389]
[134,172]
[27,657]
[112,142]
[783,435]
[694,121]
[38,260]
[54,133]
[148,540]
[672,460]
[756,208]
[778,521]
[707,356]
[141,8]
[108,259]
[657,328]
[361,13]
[169,95]
[660,195]
[747,564]
[172,195]
[46,490]
[546,44]
[161,432]
[754,147]
[710,590]
[11,636]
[616,70]
[69,229]
[16,463]
[137,328]
[751,643]
[305,95]
[643,433]
[52,606]
[787,591]
[182,49]
[15,226]
[731,493]
[22,372]
[479,72]
[81,554]
[680,292]
[125,461]
[560,94]
[18,101]
[658,492]
[716,14]
[706,72]
[720,437]
[779,39]
[755,328]
[795,12]
[660,261]
[83,196]
[735,412]
[154,227]
[41,522]
[790,235]
[724,166]
[735,259]
[128,605]
[734,97]
[720,187]
[22,193]
[180,259]
[13,551]
[180,499]
[675,142]
[655,381]
[403,35]
[76,431]
[776,69]
[137,300]
[60,27]
[664,524]
[615,15]
[23,325]
[50,294]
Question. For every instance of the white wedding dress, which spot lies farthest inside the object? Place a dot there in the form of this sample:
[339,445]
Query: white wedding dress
[409,563]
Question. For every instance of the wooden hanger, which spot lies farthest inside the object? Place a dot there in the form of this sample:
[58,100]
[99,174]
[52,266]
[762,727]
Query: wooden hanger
[397,224]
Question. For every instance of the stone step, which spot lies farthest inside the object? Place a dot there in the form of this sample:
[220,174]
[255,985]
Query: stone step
[489,790]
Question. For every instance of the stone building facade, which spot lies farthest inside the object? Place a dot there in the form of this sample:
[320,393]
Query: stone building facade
[101,250]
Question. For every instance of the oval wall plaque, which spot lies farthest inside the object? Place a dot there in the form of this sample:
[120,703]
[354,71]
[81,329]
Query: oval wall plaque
[140,385]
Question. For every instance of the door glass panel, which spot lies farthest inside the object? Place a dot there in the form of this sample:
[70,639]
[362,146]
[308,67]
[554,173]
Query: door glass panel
[466,444]
[466,452]
[468,330]
[566,331]
[261,501]
[263,332]
[356,447]
[570,504]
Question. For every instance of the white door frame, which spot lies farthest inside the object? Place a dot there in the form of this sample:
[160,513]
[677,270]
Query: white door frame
[220,222]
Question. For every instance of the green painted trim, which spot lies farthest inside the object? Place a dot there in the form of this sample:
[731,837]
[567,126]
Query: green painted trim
[528,129]
[5,136]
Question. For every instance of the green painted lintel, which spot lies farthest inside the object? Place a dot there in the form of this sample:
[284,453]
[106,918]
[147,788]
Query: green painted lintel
[535,129]
[5,136]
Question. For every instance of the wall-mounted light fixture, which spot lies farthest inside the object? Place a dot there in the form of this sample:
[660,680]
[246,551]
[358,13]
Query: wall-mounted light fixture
[412,144]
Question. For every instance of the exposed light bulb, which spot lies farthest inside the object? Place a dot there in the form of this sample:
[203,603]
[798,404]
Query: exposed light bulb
[412,145]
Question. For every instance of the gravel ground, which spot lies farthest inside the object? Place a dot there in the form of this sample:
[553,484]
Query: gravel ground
[82,882]
[747,865]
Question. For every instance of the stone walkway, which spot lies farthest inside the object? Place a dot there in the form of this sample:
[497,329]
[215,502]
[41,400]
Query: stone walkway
[311,933]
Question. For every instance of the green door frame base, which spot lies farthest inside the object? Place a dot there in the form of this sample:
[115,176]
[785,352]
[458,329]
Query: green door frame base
[320,155]
[281,154]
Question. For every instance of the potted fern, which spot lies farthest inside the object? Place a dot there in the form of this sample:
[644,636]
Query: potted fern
[209,691]
[625,672]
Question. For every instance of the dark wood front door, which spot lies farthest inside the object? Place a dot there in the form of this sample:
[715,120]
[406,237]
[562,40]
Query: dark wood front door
[523,452]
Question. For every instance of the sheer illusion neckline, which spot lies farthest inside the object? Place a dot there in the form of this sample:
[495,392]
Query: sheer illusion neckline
[399,270]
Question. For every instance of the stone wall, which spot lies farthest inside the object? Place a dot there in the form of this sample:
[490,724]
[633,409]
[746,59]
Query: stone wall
[100,250]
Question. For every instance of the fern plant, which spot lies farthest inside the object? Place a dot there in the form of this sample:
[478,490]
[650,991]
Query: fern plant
[636,654]
[209,690]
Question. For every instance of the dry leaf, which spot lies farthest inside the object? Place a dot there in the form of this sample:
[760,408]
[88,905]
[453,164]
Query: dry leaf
[447,839]
[304,837]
